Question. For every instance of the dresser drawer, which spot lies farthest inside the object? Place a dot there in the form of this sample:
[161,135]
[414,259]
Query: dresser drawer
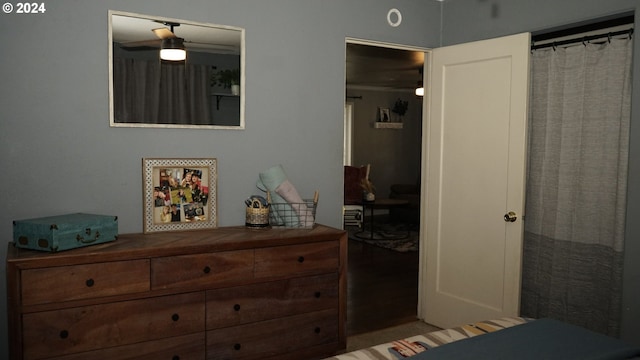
[187,347]
[201,269]
[294,260]
[272,337]
[245,304]
[73,330]
[76,282]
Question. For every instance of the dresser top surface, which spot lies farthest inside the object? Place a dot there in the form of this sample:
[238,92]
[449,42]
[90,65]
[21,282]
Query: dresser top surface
[173,243]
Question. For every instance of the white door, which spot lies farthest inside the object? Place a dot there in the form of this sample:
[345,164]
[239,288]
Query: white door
[474,171]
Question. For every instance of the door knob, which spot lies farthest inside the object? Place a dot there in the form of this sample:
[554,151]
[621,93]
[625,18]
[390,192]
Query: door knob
[510,217]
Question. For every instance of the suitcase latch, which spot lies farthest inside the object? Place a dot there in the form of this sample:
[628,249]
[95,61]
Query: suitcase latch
[88,233]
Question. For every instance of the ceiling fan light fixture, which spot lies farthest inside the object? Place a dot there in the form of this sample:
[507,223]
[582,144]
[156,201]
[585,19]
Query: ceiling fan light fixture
[173,49]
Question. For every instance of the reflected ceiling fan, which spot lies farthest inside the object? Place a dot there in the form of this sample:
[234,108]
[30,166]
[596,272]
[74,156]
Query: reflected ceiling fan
[164,33]
[171,46]
[166,38]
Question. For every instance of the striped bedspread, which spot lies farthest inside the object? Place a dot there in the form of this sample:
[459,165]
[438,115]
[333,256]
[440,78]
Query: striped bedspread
[408,347]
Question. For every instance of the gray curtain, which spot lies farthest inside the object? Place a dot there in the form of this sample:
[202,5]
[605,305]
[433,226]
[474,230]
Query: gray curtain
[576,190]
[155,93]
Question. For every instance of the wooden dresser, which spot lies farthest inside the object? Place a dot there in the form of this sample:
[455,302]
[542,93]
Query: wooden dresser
[226,293]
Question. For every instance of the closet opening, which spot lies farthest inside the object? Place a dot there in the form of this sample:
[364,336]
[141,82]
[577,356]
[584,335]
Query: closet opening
[578,145]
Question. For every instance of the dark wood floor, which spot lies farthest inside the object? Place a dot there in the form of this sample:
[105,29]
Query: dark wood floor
[382,288]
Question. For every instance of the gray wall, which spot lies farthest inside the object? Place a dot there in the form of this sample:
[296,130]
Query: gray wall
[60,156]
[468,20]
[394,154]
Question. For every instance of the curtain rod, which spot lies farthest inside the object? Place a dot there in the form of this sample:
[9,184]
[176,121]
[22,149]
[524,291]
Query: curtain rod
[584,39]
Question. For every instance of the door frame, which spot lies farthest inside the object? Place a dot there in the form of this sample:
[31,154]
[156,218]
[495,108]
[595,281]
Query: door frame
[424,173]
[368,42]
[347,153]
[425,106]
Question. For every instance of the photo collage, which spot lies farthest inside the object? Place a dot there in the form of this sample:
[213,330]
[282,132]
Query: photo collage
[180,195]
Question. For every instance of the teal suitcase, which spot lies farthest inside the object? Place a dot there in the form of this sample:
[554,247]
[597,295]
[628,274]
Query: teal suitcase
[64,232]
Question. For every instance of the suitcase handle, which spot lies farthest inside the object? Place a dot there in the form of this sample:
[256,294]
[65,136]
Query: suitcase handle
[88,241]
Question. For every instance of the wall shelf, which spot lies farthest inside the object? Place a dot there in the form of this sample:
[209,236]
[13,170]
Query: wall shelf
[219,96]
[387,125]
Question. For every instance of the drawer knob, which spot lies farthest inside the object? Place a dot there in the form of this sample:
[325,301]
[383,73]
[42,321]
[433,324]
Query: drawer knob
[175,317]
[175,357]
[64,334]
[90,282]
[317,330]
[236,307]
[206,270]
[318,294]
[237,346]
[301,259]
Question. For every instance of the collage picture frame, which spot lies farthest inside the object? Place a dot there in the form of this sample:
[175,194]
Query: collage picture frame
[179,194]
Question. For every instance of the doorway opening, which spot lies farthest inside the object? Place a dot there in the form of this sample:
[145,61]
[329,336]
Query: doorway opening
[379,78]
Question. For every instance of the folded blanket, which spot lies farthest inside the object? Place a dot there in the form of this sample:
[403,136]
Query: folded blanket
[291,196]
[539,339]
[269,180]
[420,343]
[506,338]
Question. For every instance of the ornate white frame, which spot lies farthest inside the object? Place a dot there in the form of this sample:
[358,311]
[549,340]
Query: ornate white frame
[151,179]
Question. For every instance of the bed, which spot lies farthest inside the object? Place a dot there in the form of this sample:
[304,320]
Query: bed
[506,338]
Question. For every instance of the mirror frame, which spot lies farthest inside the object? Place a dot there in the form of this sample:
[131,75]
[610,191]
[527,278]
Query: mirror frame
[112,121]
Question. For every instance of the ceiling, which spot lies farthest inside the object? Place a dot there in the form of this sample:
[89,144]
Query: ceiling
[381,67]
[135,29]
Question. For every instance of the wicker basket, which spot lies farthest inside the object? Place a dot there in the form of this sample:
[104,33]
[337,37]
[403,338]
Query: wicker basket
[294,215]
[257,216]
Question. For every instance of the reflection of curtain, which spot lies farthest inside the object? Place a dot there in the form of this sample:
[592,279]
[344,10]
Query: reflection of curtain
[576,191]
[155,93]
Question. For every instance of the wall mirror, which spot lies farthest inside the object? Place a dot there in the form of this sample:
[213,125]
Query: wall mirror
[205,90]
